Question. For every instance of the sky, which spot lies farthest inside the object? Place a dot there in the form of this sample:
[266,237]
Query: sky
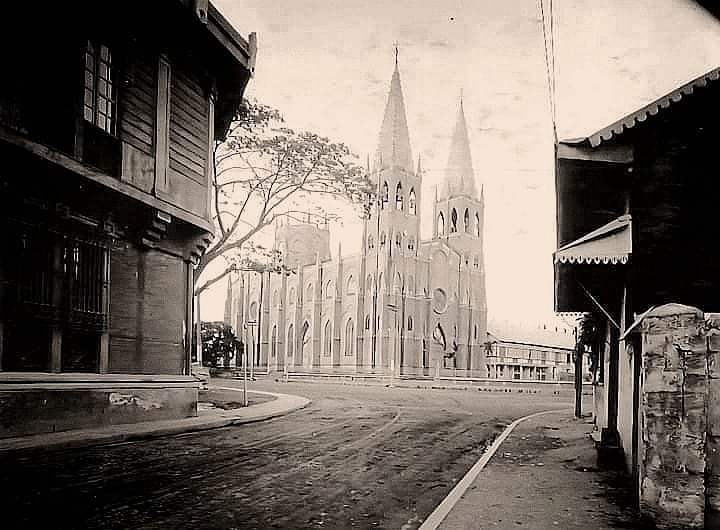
[326,65]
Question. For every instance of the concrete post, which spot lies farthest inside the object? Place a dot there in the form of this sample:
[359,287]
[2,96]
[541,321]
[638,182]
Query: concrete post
[673,410]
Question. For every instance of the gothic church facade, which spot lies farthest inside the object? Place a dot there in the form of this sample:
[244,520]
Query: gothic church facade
[402,305]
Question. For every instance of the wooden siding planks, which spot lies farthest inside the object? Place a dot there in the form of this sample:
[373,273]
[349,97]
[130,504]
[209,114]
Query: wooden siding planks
[188,127]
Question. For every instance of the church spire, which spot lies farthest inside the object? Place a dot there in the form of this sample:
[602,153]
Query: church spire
[394,141]
[459,174]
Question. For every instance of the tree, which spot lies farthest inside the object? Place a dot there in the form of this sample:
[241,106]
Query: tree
[264,171]
[219,343]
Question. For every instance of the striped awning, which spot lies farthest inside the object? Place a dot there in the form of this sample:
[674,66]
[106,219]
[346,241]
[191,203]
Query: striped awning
[609,244]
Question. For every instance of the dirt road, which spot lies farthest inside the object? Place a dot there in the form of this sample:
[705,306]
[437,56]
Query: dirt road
[357,457]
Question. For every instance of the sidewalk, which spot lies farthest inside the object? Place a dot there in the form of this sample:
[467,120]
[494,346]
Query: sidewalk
[544,476]
[267,405]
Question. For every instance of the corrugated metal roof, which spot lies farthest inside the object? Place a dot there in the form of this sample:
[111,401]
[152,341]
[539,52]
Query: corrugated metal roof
[640,115]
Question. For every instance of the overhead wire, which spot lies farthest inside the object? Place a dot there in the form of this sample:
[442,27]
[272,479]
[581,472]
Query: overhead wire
[549,50]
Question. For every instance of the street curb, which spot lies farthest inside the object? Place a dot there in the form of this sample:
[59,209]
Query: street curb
[448,503]
[77,440]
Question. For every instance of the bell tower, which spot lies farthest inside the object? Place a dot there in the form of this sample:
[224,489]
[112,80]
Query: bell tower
[459,212]
[394,225]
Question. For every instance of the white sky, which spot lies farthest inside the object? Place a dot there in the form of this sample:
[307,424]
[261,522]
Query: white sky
[327,66]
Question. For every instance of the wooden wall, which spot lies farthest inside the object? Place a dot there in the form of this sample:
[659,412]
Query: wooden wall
[147,310]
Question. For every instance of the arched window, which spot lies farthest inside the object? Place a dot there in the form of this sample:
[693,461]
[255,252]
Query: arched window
[275,298]
[398,282]
[441,224]
[466,221]
[369,283]
[398,239]
[475,331]
[411,243]
[253,310]
[412,202]
[410,324]
[327,348]
[329,289]
[370,242]
[410,284]
[305,336]
[477,225]
[453,221]
[383,237]
[399,197]
[439,336]
[273,342]
[292,296]
[349,331]
[476,262]
[290,346]
[367,321]
[351,285]
[384,195]
[309,292]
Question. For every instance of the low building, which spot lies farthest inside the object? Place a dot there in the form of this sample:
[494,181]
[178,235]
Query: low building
[108,116]
[524,353]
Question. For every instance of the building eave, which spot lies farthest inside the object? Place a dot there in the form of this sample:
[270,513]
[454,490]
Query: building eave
[641,115]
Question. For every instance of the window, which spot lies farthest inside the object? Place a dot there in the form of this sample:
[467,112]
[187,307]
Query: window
[453,221]
[476,262]
[273,342]
[275,298]
[349,330]
[329,289]
[516,372]
[399,197]
[100,93]
[369,283]
[410,324]
[290,346]
[351,285]
[441,224]
[327,349]
[475,332]
[383,237]
[293,296]
[253,311]
[398,239]
[411,243]
[477,225]
[466,221]
[412,202]
[367,322]
[384,196]
[371,242]
[309,292]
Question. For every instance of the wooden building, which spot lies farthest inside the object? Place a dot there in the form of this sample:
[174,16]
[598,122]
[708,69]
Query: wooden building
[636,230]
[108,116]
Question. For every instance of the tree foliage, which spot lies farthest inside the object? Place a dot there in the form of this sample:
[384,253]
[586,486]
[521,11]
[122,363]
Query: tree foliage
[219,344]
[264,171]
[587,339]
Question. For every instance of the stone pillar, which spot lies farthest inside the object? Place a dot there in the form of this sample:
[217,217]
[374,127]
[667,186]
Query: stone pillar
[673,410]
[712,462]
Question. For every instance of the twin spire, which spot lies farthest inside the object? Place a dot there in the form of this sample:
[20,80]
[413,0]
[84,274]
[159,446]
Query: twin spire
[393,148]
[394,144]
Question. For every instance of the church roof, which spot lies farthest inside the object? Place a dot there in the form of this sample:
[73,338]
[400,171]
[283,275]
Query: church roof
[459,174]
[394,142]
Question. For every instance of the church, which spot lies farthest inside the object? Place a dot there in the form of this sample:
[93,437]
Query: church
[402,305]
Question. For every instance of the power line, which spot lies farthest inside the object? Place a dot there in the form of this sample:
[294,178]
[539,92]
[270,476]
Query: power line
[549,49]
